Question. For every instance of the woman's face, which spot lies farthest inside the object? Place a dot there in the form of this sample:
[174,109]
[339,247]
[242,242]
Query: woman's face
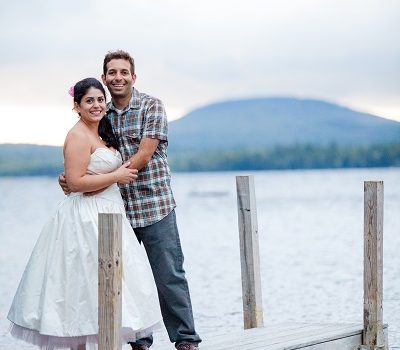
[92,106]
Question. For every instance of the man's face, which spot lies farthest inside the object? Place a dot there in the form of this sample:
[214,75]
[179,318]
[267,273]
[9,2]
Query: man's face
[119,78]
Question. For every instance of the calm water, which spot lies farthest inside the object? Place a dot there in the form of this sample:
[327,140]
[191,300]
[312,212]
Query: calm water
[311,244]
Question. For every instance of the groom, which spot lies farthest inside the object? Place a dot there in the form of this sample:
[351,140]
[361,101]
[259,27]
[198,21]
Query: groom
[140,125]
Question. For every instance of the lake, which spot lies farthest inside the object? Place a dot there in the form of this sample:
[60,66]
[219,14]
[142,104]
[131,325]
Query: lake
[311,244]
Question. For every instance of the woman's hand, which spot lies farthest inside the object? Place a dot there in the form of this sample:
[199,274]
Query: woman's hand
[125,175]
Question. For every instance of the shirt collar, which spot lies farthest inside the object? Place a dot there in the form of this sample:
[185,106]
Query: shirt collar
[134,102]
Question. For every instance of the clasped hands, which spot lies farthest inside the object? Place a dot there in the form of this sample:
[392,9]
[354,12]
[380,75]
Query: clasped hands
[124,174]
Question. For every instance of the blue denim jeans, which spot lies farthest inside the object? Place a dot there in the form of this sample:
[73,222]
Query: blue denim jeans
[163,247]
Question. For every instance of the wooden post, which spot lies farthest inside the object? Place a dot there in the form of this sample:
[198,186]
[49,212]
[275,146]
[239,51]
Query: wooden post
[110,281]
[373,335]
[249,253]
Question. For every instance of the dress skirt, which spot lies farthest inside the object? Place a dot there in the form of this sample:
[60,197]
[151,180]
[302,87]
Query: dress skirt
[56,303]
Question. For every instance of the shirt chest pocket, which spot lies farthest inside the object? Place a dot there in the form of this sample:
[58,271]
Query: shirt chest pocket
[134,136]
[129,144]
[132,132]
[130,136]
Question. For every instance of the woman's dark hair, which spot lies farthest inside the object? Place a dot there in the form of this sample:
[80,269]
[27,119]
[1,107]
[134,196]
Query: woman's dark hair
[106,133]
[82,87]
[105,128]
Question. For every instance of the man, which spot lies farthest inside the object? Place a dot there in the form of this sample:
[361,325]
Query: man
[140,125]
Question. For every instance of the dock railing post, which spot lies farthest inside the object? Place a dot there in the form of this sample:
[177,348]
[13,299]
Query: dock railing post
[110,281]
[373,334]
[249,252]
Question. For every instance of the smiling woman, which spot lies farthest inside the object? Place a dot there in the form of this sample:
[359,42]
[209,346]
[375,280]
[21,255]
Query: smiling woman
[84,138]
[55,307]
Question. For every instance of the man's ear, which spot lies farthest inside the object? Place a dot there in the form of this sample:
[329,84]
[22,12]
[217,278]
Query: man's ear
[103,78]
[133,78]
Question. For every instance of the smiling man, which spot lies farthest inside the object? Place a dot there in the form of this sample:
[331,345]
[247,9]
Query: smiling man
[139,123]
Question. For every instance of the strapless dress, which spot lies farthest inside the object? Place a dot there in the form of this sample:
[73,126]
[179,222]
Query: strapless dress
[55,305]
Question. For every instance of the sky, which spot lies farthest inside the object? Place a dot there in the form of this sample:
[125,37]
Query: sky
[192,53]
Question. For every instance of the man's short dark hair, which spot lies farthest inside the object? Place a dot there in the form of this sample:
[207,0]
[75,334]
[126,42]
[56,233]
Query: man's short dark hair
[119,54]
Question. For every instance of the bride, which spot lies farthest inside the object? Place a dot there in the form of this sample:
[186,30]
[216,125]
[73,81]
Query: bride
[55,305]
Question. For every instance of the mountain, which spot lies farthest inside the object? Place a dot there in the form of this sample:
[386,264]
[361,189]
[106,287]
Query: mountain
[264,122]
[259,133]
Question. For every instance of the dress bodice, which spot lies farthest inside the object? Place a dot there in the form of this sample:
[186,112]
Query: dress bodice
[104,160]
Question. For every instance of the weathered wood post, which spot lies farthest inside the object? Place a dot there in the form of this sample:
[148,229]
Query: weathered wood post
[249,252]
[373,335]
[110,281]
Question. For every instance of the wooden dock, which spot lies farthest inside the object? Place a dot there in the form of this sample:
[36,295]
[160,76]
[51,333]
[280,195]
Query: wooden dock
[287,336]
[370,334]
[290,336]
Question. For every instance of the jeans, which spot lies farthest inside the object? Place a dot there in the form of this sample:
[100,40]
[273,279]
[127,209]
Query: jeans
[163,247]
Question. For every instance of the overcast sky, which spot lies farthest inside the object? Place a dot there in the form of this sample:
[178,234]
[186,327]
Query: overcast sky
[191,53]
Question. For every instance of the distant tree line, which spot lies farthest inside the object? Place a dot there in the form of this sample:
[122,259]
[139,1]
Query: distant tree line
[32,160]
[290,157]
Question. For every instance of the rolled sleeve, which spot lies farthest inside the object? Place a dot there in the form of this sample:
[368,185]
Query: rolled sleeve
[156,125]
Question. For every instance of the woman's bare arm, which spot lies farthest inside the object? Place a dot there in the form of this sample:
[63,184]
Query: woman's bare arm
[77,151]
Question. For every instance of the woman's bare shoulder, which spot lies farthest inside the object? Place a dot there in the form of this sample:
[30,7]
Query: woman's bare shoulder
[77,137]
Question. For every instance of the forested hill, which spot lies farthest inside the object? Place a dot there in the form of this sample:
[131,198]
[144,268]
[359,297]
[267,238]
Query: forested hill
[264,122]
[30,160]
[262,133]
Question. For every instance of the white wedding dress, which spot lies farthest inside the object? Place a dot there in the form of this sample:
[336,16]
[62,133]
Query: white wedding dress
[55,306]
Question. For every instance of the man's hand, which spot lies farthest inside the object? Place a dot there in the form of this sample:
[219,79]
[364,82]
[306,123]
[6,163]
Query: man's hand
[63,184]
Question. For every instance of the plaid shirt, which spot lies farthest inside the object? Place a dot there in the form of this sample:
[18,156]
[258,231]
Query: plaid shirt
[149,198]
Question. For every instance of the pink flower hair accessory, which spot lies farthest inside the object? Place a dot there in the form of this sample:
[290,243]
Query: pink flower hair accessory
[71,91]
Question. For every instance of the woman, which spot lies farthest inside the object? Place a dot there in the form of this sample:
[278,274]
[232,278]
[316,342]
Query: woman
[55,306]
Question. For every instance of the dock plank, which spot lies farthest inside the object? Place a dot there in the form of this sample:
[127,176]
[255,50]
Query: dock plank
[302,334]
[289,336]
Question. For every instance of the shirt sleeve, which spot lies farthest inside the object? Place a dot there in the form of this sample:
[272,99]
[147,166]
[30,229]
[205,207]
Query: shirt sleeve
[156,125]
